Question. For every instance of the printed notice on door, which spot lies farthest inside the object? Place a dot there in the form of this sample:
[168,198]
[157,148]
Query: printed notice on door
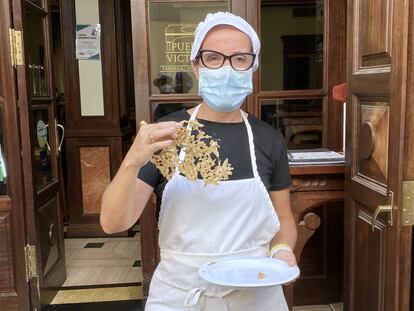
[88,42]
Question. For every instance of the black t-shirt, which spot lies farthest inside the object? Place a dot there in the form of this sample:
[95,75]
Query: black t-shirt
[270,149]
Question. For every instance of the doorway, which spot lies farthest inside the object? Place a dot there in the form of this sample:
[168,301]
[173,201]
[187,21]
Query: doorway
[98,267]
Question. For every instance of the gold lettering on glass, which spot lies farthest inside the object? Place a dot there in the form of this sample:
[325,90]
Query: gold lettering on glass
[178,42]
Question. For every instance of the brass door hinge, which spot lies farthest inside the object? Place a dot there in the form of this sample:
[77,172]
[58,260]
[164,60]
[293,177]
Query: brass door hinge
[16,47]
[408,203]
[31,262]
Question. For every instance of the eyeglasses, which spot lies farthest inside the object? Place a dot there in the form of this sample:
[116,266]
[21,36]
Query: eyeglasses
[214,60]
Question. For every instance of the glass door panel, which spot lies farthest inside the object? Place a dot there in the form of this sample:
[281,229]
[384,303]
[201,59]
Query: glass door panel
[41,139]
[35,48]
[160,110]
[171,34]
[300,121]
[292,45]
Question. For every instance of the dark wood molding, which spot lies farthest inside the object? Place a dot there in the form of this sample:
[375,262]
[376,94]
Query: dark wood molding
[291,94]
[408,302]
[140,55]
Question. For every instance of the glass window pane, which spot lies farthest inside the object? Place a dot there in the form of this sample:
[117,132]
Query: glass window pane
[36,54]
[161,110]
[292,45]
[40,141]
[300,121]
[3,169]
[171,34]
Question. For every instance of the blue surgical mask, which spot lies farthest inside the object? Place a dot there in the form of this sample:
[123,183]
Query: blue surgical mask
[224,89]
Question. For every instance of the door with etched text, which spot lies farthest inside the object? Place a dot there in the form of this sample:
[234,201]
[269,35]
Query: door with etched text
[378,246]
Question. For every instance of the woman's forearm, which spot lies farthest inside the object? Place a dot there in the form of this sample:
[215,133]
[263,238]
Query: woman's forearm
[287,233]
[125,198]
[119,201]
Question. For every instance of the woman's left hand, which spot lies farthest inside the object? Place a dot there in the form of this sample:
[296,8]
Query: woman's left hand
[287,256]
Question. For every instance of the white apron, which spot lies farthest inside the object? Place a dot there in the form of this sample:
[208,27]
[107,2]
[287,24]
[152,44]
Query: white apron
[198,224]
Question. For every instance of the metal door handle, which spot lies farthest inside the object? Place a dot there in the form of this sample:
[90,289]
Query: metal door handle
[59,144]
[383,209]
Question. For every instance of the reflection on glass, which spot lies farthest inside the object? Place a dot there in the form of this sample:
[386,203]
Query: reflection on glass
[36,53]
[3,169]
[39,3]
[162,110]
[171,34]
[292,45]
[300,121]
[41,148]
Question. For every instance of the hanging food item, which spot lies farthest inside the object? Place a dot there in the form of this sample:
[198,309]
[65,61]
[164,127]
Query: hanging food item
[201,156]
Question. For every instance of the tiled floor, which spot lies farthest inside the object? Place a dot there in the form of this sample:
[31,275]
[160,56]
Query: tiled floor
[103,261]
[128,305]
[101,270]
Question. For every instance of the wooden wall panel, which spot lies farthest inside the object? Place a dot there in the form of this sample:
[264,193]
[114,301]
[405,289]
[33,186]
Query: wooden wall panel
[321,261]
[369,257]
[373,140]
[48,234]
[6,262]
[374,32]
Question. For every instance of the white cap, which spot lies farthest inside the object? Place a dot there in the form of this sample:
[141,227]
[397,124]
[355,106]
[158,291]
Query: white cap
[225,18]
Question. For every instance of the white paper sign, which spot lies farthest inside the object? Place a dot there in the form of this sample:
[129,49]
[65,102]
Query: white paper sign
[88,42]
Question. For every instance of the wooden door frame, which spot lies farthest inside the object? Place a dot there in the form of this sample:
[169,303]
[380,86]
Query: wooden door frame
[407,299]
[12,207]
[36,198]
[398,237]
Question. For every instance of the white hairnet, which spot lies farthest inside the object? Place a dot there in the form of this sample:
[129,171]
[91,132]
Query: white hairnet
[225,18]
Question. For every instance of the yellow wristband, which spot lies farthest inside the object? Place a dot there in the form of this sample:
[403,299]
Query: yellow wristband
[278,247]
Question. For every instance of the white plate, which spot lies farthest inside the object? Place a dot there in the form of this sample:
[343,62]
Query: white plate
[248,272]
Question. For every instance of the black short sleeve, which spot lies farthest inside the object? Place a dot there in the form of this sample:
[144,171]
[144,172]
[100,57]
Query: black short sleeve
[149,174]
[281,178]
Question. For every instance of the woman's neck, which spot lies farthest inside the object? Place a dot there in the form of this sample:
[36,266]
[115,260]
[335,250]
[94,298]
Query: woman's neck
[206,113]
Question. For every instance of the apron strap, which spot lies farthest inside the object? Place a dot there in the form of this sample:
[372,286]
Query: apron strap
[249,135]
[181,156]
[197,296]
[251,145]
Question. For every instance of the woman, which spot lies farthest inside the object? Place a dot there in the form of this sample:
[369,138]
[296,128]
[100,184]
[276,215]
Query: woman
[248,215]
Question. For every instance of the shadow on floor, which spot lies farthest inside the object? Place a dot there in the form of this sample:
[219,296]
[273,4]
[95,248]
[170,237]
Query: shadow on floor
[127,305]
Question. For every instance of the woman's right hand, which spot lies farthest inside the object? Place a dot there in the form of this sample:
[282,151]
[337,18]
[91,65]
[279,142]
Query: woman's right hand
[151,138]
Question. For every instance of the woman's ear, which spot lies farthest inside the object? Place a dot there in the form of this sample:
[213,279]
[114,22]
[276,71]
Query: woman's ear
[194,65]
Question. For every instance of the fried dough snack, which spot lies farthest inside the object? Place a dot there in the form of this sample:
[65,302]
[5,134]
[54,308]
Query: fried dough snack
[201,156]
[261,276]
